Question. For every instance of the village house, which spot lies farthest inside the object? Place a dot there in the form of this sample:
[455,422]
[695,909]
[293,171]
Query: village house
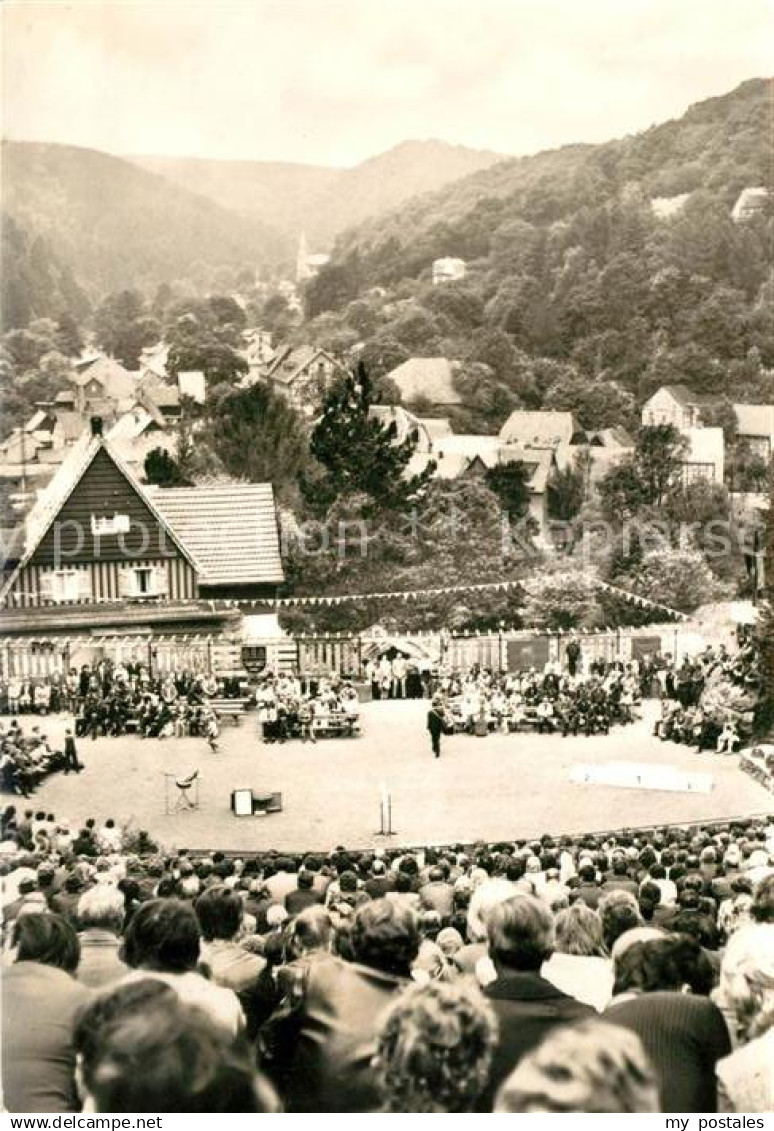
[429,379]
[755,429]
[100,552]
[685,410]
[540,430]
[448,270]
[676,405]
[304,375]
[704,458]
[749,203]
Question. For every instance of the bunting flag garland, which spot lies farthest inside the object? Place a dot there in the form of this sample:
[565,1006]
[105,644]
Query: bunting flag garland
[329,600]
[643,602]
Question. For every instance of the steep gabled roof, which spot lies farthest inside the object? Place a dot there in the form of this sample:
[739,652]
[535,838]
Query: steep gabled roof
[437,427]
[538,429]
[288,363]
[51,500]
[160,393]
[117,382]
[431,378]
[231,528]
[688,398]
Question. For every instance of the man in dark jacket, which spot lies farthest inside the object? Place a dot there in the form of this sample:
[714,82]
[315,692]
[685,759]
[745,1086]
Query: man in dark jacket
[520,934]
[319,1049]
[71,754]
[304,896]
[436,724]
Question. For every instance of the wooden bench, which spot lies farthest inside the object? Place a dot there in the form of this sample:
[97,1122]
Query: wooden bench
[228,708]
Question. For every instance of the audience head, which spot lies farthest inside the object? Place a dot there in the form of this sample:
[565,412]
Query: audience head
[675,962]
[219,911]
[163,935]
[520,933]
[47,939]
[435,1048]
[579,931]
[747,977]
[590,1067]
[172,1057]
[310,931]
[101,908]
[385,935]
[485,897]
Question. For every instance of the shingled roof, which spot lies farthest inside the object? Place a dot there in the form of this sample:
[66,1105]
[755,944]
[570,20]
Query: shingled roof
[230,529]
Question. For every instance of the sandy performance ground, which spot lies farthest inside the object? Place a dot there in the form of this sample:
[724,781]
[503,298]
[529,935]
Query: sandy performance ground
[495,788]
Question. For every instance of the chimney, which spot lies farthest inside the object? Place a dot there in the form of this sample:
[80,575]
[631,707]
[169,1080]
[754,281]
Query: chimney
[96,425]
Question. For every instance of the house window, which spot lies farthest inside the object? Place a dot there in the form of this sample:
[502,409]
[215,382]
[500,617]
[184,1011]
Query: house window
[102,525]
[68,585]
[144,581]
[695,472]
[254,658]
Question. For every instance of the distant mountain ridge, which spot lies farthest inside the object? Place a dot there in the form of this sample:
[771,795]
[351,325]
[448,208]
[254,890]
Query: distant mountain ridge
[118,225]
[319,200]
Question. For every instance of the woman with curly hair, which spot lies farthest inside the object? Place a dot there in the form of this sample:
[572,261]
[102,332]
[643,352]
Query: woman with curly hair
[435,1049]
[745,1077]
[590,1067]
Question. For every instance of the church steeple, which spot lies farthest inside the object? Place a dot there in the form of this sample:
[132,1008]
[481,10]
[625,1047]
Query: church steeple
[302,266]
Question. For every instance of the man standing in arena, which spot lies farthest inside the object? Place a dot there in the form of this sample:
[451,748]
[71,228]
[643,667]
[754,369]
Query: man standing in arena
[71,754]
[436,724]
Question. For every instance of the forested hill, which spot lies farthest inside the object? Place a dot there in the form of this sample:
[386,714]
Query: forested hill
[719,145]
[574,278]
[318,200]
[114,224]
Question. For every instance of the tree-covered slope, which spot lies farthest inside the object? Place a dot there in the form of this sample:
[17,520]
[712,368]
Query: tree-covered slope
[113,223]
[579,294]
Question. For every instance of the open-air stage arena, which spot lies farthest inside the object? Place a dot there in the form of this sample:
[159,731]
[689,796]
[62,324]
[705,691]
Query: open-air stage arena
[501,787]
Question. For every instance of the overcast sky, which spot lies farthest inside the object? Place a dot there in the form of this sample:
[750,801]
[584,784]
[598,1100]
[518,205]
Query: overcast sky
[336,81]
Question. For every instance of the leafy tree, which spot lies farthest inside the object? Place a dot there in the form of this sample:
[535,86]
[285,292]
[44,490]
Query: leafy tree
[356,455]
[68,335]
[621,491]
[595,404]
[162,470]
[560,600]
[451,535]
[510,483]
[382,354]
[332,288]
[744,469]
[658,459]
[566,490]
[257,435]
[677,578]
[218,361]
[123,327]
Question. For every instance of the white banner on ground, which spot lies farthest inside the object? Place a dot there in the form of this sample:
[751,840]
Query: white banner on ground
[641,775]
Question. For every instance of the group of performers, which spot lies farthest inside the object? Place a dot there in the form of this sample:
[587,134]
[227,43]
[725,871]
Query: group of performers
[550,701]
[289,707]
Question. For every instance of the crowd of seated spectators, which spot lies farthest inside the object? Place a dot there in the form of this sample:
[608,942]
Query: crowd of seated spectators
[554,700]
[26,758]
[112,698]
[291,707]
[607,973]
[686,720]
